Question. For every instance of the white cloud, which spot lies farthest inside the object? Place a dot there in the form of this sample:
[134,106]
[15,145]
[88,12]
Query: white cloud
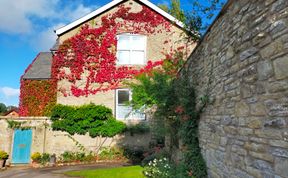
[37,19]
[45,39]
[9,92]
[70,13]
[15,16]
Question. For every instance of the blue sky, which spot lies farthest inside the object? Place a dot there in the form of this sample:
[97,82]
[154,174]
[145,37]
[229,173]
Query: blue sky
[26,28]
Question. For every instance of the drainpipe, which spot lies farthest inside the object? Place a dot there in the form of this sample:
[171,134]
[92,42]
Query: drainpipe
[44,140]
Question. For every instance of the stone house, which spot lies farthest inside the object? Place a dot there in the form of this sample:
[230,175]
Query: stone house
[134,49]
[144,34]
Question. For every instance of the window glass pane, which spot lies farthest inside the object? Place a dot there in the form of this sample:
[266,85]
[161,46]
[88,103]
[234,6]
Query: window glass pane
[123,42]
[123,97]
[138,42]
[123,112]
[137,57]
[123,57]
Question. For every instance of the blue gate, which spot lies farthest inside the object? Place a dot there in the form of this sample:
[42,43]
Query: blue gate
[21,146]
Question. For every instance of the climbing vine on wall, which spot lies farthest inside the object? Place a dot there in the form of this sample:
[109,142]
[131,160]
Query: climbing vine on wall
[37,97]
[88,59]
[178,110]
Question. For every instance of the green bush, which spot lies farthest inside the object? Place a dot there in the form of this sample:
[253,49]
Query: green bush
[69,156]
[155,153]
[139,128]
[97,120]
[113,153]
[89,157]
[134,154]
[36,157]
[45,158]
[158,168]
[3,155]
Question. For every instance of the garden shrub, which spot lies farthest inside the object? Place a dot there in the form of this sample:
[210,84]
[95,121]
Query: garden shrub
[155,153]
[134,154]
[69,156]
[45,158]
[139,128]
[158,168]
[36,157]
[112,153]
[3,155]
[97,120]
[177,112]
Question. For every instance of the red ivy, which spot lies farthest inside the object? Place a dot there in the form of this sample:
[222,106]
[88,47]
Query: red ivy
[88,59]
[36,96]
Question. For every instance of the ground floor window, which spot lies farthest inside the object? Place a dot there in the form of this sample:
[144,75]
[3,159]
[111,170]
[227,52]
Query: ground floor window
[123,110]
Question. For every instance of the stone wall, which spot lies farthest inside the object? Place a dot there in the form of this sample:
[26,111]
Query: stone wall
[45,140]
[243,62]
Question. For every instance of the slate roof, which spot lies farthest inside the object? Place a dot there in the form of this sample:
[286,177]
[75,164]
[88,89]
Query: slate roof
[40,68]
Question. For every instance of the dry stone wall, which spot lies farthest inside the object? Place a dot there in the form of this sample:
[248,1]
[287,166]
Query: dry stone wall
[243,64]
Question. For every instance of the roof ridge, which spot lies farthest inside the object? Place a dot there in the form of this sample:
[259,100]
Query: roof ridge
[110,5]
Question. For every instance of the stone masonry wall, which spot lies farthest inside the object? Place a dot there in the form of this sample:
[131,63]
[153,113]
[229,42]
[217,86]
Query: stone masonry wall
[244,55]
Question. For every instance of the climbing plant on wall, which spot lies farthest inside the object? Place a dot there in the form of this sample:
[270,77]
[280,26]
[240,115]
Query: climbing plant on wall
[176,99]
[37,97]
[88,59]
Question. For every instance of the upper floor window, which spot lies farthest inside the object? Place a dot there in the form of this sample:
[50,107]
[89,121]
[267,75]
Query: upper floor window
[131,49]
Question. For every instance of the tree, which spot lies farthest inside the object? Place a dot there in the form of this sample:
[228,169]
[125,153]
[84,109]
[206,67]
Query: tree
[10,108]
[3,108]
[96,120]
[198,17]
[174,9]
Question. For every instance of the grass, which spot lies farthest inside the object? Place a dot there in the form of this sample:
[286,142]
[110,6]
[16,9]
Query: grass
[120,172]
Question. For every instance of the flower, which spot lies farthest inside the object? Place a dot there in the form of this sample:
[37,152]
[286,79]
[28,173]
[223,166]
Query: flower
[179,110]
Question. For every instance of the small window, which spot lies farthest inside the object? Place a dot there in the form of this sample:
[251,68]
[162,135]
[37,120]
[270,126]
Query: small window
[131,49]
[123,110]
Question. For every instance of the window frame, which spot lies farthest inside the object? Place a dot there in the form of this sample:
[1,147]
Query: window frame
[130,98]
[130,35]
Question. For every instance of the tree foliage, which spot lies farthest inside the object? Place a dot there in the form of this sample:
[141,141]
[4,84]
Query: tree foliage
[175,97]
[174,9]
[197,16]
[97,120]
[3,108]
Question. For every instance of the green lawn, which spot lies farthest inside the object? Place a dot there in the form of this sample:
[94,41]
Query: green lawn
[121,172]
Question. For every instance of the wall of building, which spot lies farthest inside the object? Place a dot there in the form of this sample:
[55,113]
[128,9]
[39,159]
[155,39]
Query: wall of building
[45,140]
[155,51]
[244,55]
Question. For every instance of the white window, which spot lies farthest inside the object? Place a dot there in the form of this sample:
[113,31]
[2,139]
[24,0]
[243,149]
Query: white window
[123,110]
[131,49]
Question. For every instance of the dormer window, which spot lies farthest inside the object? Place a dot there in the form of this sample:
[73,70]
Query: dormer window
[131,49]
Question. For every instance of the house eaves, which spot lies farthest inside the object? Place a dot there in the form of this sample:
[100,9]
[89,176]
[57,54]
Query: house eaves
[111,5]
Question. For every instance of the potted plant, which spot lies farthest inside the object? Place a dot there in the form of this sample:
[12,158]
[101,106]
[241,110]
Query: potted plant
[3,157]
[36,159]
